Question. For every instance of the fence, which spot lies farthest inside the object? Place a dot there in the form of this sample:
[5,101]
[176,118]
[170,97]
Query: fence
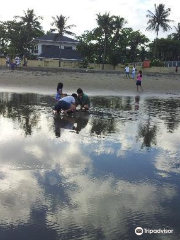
[49,63]
[172,64]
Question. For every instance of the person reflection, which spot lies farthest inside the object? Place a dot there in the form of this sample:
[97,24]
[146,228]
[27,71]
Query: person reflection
[137,98]
[76,123]
[81,122]
[64,122]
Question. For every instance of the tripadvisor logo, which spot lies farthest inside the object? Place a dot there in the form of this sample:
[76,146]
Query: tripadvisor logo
[138,231]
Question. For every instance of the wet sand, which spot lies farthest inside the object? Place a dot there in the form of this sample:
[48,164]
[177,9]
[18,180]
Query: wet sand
[45,82]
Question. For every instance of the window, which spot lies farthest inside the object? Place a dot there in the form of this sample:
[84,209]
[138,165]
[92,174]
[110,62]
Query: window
[68,47]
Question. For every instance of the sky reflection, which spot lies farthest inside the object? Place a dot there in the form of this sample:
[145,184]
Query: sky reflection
[91,176]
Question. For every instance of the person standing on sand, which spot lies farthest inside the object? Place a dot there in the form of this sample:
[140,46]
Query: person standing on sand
[176,68]
[133,72]
[127,71]
[25,61]
[7,61]
[139,80]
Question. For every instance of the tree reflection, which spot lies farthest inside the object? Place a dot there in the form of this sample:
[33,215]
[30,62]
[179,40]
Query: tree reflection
[120,103]
[103,126]
[167,110]
[148,133]
[22,108]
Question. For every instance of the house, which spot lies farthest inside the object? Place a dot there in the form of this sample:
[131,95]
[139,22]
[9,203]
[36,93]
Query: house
[54,46]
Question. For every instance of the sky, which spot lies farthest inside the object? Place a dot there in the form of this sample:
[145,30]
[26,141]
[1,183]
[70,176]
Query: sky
[83,13]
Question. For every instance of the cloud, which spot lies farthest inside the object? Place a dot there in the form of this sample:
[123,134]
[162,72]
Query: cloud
[82,13]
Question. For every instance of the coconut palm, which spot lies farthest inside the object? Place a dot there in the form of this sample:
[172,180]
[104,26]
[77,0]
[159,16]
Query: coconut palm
[176,35]
[105,25]
[60,23]
[118,23]
[31,28]
[159,19]
[31,23]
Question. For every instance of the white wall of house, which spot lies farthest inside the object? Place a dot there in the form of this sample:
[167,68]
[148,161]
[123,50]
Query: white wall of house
[39,48]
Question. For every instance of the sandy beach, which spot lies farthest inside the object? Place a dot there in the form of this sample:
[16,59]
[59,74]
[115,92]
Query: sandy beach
[45,82]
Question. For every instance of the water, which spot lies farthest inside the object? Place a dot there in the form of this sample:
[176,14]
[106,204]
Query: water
[96,175]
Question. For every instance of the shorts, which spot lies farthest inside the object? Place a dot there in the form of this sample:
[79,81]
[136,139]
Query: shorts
[62,105]
[138,83]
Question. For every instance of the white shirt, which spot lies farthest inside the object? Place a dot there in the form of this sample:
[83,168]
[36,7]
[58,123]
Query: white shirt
[127,69]
[68,99]
[133,70]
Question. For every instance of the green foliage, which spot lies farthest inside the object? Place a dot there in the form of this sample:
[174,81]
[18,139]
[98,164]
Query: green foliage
[159,19]
[83,64]
[18,33]
[176,35]
[166,49]
[109,42]
[60,23]
[157,63]
[114,59]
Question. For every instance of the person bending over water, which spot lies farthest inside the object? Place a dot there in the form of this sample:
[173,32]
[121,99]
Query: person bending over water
[83,99]
[67,104]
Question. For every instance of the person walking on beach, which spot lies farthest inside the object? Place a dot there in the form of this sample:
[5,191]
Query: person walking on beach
[127,71]
[139,80]
[133,72]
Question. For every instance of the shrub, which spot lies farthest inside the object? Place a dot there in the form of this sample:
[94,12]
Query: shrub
[83,64]
[157,63]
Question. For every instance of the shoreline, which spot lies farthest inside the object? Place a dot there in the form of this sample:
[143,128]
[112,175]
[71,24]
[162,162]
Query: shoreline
[94,84]
[84,70]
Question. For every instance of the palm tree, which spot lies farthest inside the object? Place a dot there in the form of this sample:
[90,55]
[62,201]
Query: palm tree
[105,25]
[158,20]
[118,24]
[31,25]
[176,35]
[60,23]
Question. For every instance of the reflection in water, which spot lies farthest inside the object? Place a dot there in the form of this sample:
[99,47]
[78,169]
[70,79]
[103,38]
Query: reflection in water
[137,98]
[57,184]
[76,123]
[104,127]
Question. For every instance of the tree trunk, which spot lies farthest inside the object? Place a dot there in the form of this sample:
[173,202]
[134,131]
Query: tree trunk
[104,54]
[60,55]
[155,45]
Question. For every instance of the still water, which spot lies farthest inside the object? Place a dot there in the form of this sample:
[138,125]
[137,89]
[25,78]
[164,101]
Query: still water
[96,175]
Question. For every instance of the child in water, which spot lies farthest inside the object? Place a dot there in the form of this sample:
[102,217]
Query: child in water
[139,79]
[59,91]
